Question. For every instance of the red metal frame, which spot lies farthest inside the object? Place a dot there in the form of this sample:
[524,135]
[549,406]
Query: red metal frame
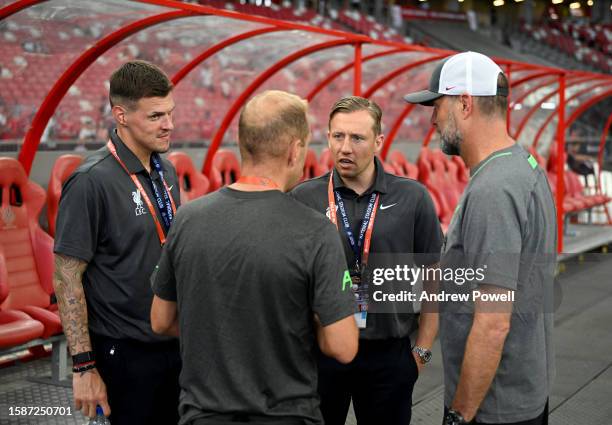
[181,73]
[73,72]
[428,136]
[331,77]
[262,78]
[586,105]
[395,129]
[547,121]
[560,163]
[602,145]
[536,107]
[16,7]
[522,97]
[358,61]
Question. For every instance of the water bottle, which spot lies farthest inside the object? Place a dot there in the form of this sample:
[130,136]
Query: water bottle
[100,419]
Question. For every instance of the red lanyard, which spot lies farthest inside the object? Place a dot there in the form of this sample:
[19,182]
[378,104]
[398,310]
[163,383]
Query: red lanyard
[258,181]
[160,232]
[332,216]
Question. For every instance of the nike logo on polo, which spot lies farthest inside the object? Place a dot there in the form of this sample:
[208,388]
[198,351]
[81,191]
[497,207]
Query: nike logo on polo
[170,187]
[384,207]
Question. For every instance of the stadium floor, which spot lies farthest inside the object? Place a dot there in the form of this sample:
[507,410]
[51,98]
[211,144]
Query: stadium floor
[581,394]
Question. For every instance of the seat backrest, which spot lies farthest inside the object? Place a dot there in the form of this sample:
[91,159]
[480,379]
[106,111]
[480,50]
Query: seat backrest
[63,168]
[403,166]
[28,250]
[326,160]
[193,184]
[311,166]
[228,167]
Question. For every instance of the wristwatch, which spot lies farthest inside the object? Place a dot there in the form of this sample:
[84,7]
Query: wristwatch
[423,353]
[454,418]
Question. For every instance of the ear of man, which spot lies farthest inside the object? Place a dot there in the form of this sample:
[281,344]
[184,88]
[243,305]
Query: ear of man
[379,142]
[293,152]
[465,105]
[119,113]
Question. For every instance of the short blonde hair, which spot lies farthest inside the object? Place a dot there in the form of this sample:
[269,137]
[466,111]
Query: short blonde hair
[350,104]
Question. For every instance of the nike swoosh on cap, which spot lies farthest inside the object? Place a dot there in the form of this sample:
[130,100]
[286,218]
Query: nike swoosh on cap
[170,187]
[384,207]
[450,88]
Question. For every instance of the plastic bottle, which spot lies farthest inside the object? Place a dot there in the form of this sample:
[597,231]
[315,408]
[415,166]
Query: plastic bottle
[100,419]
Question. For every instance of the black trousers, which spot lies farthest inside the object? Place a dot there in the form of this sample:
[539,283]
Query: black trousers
[379,381]
[141,380]
[542,419]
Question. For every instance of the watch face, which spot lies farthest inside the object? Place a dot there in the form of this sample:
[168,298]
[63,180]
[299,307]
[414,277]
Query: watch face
[427,356]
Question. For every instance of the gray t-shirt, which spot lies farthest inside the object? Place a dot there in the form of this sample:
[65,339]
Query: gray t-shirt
[505,221]
[248,271]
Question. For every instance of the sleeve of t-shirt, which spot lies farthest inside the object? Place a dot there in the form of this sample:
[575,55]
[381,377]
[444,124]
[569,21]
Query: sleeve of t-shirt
[427,232]
[492,235]
[79,218]
[163,279]
[333,298]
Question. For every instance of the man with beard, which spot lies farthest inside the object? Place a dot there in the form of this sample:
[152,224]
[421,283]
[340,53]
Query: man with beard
[114,214]
[497,354]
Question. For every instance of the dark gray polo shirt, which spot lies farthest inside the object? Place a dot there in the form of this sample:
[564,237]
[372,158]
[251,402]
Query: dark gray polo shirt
[506,222]
[405,223]
[100,221]
[248,270]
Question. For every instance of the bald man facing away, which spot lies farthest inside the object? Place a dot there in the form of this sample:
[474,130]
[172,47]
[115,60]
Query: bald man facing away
[251,280]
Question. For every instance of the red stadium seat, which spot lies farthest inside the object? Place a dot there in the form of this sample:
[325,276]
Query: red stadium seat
[193,183]
[389,168]
[403,166]
[326,160]
[226,169]
[311,166]
[62,169]
[28,250]
[16,327]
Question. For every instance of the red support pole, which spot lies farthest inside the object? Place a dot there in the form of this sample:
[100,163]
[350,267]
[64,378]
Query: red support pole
[428,137]
[357,81]
[244,96]
[602,145]
[331,77]
[395,129]
[17,6]
[73,72]
[536,107]
[560,163]
[536,139]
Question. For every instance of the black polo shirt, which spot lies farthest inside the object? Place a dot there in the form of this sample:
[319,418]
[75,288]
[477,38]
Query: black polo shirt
[405,223]
[103,221]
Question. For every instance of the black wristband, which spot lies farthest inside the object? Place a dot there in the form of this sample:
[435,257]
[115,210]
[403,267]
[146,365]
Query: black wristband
[80,369]
[85,357]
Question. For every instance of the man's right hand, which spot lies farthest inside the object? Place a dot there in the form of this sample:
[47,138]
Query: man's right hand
[89,392]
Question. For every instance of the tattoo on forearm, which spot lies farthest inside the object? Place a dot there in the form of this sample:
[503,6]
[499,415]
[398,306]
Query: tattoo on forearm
[68,284]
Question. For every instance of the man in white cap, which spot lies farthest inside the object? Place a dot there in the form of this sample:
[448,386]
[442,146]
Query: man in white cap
[497,354]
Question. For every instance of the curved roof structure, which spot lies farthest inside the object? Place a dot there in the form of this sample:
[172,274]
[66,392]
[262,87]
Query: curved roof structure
[219,58]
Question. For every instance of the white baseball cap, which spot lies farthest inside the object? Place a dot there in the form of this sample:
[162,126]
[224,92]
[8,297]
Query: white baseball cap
[468,72]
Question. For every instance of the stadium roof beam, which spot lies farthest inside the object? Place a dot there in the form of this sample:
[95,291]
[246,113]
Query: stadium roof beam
[547,121]
[536,107]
